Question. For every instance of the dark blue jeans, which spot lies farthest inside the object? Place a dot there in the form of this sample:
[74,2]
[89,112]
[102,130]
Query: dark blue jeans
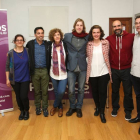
[71,84]
[136,84]
[59,90]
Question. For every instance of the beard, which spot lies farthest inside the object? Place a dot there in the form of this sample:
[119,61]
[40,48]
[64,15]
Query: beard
[118,33]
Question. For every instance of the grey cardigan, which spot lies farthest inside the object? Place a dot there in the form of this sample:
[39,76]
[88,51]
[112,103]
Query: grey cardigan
[10,65]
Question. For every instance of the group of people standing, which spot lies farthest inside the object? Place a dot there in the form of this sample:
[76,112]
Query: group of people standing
[77,55]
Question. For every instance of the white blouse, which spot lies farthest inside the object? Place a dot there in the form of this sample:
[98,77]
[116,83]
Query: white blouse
[62,75]
[98,65]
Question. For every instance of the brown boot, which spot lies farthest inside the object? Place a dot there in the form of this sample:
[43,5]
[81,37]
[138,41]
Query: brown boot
[52,112]
[60,112]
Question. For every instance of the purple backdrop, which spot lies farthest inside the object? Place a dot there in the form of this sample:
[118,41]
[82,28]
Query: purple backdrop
[5,92]
[51,92]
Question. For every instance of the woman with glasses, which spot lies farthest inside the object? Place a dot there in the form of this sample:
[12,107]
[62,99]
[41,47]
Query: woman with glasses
[17,74]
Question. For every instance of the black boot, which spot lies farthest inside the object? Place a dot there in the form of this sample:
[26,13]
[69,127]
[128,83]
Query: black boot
[70,112]
[102,115]
[26,116]
[79,113]
[139,130]
[97,111]
[21,116]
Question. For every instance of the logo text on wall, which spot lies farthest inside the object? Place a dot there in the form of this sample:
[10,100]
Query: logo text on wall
[3,29]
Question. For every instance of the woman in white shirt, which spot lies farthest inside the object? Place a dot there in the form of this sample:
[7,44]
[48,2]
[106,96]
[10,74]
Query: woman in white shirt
[98,68]
[58,70]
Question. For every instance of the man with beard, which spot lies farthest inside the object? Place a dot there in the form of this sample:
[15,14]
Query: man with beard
[121,44]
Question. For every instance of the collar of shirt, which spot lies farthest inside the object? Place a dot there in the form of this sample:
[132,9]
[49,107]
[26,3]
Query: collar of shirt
[38,44]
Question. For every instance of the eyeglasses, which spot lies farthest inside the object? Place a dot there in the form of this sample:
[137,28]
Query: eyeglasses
[136,23]
[19,40]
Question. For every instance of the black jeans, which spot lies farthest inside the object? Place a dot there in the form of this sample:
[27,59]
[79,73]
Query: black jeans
[136,84]
[21,91]
[99,89]
[117,77]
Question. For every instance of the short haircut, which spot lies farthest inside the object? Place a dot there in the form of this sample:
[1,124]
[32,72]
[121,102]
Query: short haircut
[37,28]
[137,17]
[90,38]
[116,20]
[77,20]
[53,31]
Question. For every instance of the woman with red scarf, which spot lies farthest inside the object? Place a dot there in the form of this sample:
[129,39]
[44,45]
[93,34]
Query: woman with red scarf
[58,71]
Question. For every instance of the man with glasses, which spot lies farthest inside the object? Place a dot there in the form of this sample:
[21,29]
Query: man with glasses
[135,69]
[39,69]
[121,44]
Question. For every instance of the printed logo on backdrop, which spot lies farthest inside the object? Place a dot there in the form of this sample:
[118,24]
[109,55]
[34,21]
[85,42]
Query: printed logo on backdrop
[5,92]
[3,30]
[51,91]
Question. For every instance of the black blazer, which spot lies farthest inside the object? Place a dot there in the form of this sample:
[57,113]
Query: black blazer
[31,50]
[50,49]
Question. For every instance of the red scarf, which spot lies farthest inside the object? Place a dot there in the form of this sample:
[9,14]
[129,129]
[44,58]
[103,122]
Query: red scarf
[55,59]
[81,35]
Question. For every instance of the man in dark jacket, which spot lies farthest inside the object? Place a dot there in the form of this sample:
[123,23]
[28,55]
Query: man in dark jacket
[76,65]
[121,44]
[39,69]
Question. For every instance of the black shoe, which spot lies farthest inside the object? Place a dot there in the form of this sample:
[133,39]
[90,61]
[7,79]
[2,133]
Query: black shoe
[70,112]
[79,113]
[26,116]
[38,111]
[97,111]
[139,130]
[114,112]
[128,115]
[21,116]
[102,115]
[45,112]
[135,120]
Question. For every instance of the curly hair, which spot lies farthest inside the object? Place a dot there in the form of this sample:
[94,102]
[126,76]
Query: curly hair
[77,20]
[90,38]
[52,32]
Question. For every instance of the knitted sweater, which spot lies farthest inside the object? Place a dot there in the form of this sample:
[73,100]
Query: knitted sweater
[10,65]
[105,50]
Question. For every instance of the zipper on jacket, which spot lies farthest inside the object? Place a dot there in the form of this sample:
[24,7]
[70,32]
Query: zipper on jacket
[119,58]
[119,52]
